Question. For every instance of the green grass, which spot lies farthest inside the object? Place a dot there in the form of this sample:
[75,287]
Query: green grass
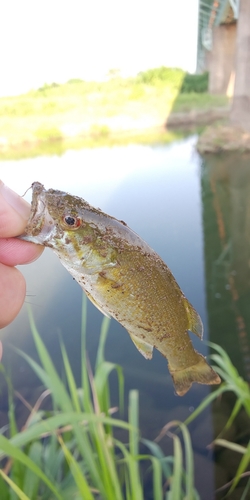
[234,383]
[199,101]
[72,450]
[86,114]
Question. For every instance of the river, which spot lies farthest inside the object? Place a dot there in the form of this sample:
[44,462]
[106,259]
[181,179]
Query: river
[195,213]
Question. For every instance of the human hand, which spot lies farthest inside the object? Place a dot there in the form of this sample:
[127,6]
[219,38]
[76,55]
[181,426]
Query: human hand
[14,213]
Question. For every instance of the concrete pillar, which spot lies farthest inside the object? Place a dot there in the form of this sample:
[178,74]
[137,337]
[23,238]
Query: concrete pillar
[240,112]
[221,59]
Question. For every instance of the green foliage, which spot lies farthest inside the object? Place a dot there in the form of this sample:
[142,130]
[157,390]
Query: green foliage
[48,86]
[232,382]
[77,108]
[72,451]
[198,101]
[73,81]
[99,131]
[194,83]
[169,76]
[175,78]
[48,134]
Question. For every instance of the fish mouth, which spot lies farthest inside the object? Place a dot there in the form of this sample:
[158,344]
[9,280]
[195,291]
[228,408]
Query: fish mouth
[40,225]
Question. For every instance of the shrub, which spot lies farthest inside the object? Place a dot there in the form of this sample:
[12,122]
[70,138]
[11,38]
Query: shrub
[48,134]
[171,76]
[194,83]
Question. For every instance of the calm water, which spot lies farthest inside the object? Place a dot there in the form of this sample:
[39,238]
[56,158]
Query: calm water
[196,215]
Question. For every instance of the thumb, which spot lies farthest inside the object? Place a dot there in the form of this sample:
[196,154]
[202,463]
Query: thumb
[14,212]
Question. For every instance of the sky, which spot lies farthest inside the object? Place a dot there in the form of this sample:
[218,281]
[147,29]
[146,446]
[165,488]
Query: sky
[45,41]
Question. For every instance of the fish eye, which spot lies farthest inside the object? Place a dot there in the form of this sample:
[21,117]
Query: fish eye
[72,222]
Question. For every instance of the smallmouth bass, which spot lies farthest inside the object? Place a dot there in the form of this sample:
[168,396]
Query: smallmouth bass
[124,278]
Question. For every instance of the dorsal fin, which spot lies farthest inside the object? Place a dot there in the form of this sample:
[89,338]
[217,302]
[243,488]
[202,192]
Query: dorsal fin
[194,321]
[143,347]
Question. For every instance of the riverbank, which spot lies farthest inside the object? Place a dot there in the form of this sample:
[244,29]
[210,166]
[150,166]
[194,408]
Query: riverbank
[223,137]
[83,114]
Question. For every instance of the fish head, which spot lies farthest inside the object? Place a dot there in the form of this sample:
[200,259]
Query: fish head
[72,228]
[54,216]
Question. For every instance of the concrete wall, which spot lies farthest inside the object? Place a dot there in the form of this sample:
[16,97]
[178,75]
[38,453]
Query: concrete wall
[220,61]
[240,112]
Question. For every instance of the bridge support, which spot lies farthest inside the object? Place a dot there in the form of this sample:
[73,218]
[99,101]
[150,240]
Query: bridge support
[220,61]
[240,112]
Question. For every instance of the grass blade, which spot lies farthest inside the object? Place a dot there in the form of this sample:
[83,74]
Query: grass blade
[54,382]
[77,473]
[134,445]
[176,491]
[70,380]
[13,486]
[17,454]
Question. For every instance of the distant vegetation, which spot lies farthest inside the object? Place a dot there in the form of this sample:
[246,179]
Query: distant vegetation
[176,78]
[74,112]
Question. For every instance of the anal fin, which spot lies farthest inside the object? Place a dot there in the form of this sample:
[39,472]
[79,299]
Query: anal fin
[194,321]
[143,347]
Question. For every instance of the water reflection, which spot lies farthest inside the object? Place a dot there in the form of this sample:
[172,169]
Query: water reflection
[226,215]
[157,191]
[226,223]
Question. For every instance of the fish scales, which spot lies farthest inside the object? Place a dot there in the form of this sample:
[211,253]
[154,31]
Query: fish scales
[124,278]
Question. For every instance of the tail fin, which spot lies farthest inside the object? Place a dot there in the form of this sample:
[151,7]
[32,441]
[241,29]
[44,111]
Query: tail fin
[201,373]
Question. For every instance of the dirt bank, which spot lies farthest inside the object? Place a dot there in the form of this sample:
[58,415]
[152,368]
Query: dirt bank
[197,117]
[217,138]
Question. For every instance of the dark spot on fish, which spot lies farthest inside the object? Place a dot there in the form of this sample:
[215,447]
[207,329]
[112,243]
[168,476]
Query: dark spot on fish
[116,285]
[87,239]
[102,274]
[67,241]
[165,336]
[103,253]
[124,223]
[144,328]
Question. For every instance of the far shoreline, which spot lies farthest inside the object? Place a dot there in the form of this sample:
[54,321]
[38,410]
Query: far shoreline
[177,126]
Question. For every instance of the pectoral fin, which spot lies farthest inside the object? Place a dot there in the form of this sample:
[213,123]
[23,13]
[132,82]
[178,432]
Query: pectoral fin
[143,347]
[194,321]
[97,305]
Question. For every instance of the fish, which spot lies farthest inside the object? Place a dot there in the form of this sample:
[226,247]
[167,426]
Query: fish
[124,278]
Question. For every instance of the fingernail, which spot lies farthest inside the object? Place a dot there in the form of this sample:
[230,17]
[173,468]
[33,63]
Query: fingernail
[15,201]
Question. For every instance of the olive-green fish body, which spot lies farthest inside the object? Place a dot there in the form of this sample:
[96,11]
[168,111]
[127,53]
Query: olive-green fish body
[124,278]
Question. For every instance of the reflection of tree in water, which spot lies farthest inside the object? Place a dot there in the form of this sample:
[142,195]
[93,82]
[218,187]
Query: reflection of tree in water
[226,222]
